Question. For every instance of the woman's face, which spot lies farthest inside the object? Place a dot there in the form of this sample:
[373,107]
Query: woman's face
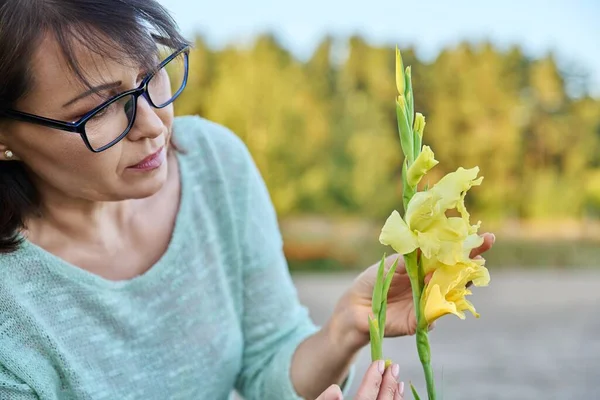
[59,161]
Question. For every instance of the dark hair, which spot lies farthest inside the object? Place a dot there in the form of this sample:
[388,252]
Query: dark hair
[123,30]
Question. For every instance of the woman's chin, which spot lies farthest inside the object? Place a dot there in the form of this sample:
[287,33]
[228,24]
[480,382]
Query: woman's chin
[146,185]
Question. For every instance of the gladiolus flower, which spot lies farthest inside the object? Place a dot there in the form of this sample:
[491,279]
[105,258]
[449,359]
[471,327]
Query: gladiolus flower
[445,293]
[426,225]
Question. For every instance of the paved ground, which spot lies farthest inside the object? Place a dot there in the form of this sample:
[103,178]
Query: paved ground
[538,337]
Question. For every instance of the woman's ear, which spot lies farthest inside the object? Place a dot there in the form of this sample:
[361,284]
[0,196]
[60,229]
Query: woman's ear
[7,154]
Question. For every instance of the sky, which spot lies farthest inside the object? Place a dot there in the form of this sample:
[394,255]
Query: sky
[567,28]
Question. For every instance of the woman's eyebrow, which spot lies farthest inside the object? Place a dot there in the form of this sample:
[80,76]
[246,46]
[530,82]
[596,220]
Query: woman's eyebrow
[94,90]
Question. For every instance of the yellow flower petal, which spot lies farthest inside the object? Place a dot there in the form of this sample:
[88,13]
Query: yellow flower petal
[436,306]
[450,189]
[439,236]
[396,233]
[460,206]
[424,162]
[481,277]
[463,304]
[430,264]
[472,241]
[445,293]
[420,211]
[452,233]
[429,244]
[444,239]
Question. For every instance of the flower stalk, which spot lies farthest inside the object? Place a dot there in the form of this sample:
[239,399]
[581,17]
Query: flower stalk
[430,242]
[410,180]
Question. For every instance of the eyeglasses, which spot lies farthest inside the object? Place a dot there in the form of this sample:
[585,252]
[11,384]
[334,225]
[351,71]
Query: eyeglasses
[107,124]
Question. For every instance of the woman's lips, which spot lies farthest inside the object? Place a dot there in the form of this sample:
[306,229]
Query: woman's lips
[151,162]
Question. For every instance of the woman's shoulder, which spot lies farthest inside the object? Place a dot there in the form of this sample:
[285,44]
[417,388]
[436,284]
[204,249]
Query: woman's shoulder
[199,136]
[214,157]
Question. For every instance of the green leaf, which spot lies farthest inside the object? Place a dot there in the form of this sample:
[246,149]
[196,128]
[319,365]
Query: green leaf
[376,350]
[381,317]
[414,392]
[410,101]
[418,144]
[407,191]
[389,277]
[384,294]
[405,132]
[378,289]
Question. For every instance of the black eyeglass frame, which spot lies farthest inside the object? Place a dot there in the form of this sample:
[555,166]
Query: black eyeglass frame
[79,126]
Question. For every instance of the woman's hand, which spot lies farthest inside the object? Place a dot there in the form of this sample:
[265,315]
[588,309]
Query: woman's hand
[351,313]
[377,384]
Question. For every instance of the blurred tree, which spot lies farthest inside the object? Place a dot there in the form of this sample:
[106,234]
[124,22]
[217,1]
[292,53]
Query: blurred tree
[324,134]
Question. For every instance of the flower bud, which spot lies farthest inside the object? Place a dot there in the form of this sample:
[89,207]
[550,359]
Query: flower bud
[421,166]
[402,103]
[400,82]
[419,125]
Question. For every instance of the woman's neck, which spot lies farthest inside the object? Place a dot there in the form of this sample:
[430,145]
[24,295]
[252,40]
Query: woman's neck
[103,227]
[78,221]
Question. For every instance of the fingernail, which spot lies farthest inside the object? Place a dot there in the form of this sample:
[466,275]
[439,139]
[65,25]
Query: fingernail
[395,371]
[493,238]
[401,388]
[381,366]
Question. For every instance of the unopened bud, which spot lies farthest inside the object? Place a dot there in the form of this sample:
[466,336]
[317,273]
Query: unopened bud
[419,125]
[400,83]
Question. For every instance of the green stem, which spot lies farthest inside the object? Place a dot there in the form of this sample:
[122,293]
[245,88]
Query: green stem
[415,274]
[425,358]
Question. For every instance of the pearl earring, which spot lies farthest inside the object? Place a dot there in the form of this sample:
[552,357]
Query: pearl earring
[8,154]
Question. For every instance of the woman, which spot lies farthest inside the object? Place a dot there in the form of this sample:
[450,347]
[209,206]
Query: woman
[141,257]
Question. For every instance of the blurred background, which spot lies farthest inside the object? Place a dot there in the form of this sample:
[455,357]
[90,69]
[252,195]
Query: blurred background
[510,86]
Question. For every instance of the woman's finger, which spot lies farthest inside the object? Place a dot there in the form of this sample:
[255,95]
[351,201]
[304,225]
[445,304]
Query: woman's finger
[333,392]
[389,385]
[488,241]
[427,277]
[369,387]
[400,393]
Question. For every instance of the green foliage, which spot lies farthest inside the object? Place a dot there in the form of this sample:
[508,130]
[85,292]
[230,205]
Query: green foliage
[414,392]
[323,131]
[379,308]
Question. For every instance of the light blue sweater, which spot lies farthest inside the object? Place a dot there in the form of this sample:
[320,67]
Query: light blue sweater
[217,312]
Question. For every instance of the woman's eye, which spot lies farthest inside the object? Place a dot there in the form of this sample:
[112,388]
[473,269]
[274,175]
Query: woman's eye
[83,112]
[77,117]
[102,112]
